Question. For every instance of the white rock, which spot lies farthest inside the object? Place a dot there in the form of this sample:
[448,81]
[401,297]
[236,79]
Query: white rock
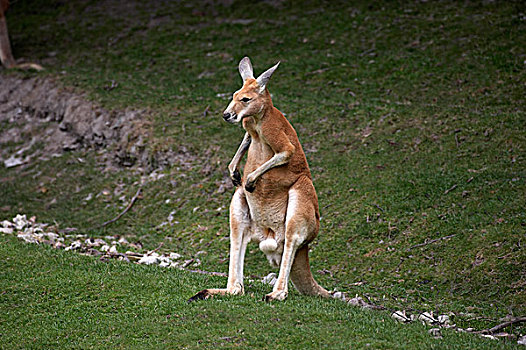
[427,318]
[175,256]
[488,336]
[401,316]
[357,301]
[435,332]
[7,224]
[443,319]
[165,263]
[28,237]
[6,230]
[13,161]
[20,221]
[105,248]
[268,278]
[74,245]
[522,340]
[113,250]
[149,260]
[338,295]
[52,236]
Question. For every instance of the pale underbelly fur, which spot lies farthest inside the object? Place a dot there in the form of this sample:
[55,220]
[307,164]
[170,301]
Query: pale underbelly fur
[268,220]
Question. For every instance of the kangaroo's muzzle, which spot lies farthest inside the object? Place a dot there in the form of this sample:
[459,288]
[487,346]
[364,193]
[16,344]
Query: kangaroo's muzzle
[230,117]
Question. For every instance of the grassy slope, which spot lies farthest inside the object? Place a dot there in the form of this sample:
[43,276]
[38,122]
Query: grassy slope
[79,302]
[394,103]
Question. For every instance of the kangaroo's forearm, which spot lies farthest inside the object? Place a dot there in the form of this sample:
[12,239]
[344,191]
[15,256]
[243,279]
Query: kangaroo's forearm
[277,160]
[243,148]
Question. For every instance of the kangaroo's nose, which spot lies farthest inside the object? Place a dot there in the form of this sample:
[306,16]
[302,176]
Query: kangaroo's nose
[226,116]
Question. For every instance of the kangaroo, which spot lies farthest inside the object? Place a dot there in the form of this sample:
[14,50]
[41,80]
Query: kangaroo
[6,57]
[275,203]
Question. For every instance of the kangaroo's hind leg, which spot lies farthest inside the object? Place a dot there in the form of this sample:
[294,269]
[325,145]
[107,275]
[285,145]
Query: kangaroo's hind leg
[301,227]
[240,234]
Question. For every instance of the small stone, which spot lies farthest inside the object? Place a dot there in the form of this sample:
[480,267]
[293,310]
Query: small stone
[489,336]
[20,221]
[435,332]
[165,263]
[338,295]
[149,260]
[28,237]
[427,318]
[75,245]
[52,236]
[443,319]
[175,256]
[357,301]
[400,316]
[6,230]
[522,340]
[268,278]
[6,224]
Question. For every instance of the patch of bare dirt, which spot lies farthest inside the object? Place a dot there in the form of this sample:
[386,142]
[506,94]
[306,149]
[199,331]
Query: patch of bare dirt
[39,120]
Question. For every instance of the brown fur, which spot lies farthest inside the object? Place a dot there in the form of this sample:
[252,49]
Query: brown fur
[276,204]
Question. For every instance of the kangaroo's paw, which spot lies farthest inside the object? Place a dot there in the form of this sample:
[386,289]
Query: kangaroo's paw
[250,186]
[202,295]
[236,289]
[236,178]
[276,295]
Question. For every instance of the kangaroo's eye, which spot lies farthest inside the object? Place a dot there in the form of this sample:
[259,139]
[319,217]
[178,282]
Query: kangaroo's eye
[245,99]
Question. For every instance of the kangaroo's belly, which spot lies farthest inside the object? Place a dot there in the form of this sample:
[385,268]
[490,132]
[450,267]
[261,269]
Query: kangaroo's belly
[268,215]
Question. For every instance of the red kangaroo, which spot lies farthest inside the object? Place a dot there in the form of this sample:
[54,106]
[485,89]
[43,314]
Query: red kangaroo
[275,203]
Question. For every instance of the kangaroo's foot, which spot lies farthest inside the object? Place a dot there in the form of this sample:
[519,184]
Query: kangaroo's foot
[202,295]
[279,295]
[234,289]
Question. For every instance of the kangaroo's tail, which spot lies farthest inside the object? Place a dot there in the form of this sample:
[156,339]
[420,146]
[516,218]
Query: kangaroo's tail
[301,275]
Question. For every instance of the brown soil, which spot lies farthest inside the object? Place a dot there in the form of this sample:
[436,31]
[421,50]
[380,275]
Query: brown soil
[38,120]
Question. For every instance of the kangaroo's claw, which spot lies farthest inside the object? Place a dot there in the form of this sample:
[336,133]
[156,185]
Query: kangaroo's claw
[236,178]
[250,186]
[202,295]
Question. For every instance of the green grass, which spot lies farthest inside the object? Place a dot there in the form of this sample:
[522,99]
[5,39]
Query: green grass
[81,302]
[395,104]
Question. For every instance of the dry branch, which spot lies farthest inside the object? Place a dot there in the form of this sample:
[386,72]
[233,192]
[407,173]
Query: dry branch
[501,326]
[431,241]
[450,189]
[133,200]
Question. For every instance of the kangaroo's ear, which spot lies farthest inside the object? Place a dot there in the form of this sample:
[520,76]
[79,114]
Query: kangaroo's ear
[265,77]
[245,69]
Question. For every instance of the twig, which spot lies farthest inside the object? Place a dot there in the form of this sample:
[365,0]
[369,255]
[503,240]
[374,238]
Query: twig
[124,211]
[501,326]
[156,249]
[450,189]
[202,272]
[205,112]
[379,207]
[431,241]
[317,71]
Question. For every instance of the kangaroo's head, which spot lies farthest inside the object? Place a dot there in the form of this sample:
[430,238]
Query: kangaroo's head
[253,97]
